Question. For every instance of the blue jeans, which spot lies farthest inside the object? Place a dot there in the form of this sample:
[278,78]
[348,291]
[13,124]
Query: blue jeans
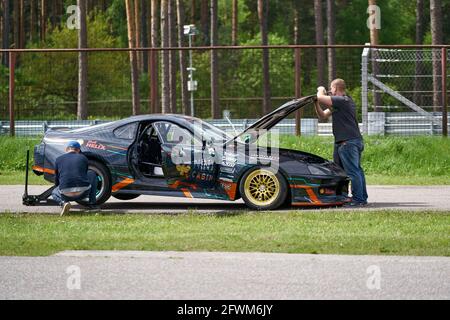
[91,193]
[349,153]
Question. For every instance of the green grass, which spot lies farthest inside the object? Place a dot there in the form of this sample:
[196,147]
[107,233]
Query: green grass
[13,152]
[386,160]
[390,232]
[421,156]
[18,177]
[391,160]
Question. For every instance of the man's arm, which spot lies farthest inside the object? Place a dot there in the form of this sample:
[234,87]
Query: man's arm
[322,114]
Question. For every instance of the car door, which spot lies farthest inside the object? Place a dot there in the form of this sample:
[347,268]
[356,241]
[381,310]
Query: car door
[185,161]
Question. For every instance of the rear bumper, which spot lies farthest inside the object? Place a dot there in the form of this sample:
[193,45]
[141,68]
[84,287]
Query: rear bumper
[39,159]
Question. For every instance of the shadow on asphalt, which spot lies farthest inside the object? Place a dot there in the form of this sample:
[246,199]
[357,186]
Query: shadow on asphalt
[393,205]
[172,206]
[220,209]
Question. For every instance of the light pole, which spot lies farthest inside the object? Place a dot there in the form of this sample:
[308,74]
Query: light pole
[190,30]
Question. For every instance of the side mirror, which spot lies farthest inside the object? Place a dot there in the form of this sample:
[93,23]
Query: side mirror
[212,152]
[209,143]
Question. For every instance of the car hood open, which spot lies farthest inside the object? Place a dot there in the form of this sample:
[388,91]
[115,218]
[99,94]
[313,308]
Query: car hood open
[271,119]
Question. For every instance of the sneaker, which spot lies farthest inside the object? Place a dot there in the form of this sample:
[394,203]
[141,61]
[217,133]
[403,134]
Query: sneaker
[65,208]
[93,207]
[356,204]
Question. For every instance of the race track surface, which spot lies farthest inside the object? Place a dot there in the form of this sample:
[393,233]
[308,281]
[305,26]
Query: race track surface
[380,197]
[225,276]
[216,275]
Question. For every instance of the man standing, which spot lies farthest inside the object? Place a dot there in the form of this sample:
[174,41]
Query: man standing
[73,180]
[348,145]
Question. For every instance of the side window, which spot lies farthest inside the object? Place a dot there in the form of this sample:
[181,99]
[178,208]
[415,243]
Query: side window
[173,134]
[127,131]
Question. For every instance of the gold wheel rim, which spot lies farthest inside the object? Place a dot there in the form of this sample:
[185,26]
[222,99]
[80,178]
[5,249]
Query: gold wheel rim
[262,187]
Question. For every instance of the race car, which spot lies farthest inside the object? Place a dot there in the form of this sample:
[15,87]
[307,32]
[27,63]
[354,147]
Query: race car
[182,156]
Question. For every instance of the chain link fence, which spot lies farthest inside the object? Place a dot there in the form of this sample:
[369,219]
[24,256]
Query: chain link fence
[405,90]
[46,87]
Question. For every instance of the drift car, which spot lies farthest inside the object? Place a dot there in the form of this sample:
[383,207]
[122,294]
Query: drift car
[177,155]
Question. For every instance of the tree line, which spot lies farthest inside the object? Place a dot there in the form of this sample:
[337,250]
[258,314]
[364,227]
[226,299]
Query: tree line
[159,23]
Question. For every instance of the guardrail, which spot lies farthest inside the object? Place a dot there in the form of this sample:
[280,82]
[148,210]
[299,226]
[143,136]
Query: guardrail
[380,123]
[37,128]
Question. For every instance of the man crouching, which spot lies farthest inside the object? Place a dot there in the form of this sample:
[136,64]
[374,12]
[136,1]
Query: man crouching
[73,180]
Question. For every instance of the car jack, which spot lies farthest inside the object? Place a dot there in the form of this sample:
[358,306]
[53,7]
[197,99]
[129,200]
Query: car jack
[31,200]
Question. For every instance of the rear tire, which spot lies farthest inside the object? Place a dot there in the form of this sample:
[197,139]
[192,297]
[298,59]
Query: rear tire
[262,188]
[103,183]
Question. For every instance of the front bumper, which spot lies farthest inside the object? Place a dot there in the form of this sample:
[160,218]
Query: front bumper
[327,193]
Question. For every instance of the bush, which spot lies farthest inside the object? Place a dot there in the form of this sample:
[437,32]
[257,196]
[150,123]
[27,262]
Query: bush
[13,153]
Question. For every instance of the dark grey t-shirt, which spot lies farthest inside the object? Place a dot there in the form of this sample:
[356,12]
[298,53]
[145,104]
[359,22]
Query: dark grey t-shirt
[345,124]
[71,171]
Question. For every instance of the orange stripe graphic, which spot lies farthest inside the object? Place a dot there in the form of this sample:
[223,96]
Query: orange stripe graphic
[186,193]
[41,169]
[121,184]
[178,183]
[230,189]
[310,192]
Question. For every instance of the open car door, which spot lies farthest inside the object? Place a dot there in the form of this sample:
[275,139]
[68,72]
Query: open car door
[184,161]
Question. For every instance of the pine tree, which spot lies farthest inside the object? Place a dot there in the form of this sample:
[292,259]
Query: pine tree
[263,9]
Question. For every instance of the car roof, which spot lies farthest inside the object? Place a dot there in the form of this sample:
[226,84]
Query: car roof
[166,116]
[176,118]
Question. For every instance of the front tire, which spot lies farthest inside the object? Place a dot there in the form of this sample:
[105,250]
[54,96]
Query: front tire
[103,183]
[262,188]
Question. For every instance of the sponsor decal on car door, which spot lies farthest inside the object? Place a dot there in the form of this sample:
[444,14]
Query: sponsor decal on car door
[186,162]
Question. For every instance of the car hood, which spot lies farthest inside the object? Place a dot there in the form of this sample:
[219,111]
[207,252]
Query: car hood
[271,119]
[325,166]
[302,156]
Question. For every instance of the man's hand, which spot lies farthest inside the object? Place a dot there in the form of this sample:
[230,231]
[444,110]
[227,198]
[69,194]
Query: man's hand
[323,98]
[321,90]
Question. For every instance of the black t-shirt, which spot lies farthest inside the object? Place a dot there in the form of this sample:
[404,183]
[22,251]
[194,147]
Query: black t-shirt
[71,170]
[345,125]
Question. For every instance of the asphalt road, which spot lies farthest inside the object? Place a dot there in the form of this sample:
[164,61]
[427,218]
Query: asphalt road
[193,275]
[205,275]
[380,197]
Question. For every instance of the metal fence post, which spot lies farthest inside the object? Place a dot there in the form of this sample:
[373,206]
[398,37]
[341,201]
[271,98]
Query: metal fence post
[364,88]
[444,93]
[12,64]
[44,127]
[298,91]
